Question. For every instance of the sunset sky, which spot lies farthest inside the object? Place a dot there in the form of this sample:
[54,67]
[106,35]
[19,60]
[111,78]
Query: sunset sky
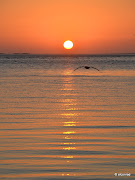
[42,26]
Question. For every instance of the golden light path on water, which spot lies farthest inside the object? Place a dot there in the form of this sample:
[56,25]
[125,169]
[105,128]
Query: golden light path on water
[69,119]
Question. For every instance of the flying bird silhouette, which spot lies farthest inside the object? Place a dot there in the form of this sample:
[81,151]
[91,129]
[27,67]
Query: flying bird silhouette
[87,67]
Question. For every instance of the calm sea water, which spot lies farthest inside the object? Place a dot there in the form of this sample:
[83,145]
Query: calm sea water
[56,123]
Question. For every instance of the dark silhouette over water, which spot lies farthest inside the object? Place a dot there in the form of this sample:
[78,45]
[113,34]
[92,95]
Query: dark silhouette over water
[87,67]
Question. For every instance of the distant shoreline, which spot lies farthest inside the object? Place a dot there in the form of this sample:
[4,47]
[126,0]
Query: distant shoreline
[82,55]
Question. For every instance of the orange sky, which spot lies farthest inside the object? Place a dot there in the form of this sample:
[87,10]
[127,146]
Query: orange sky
[41,26]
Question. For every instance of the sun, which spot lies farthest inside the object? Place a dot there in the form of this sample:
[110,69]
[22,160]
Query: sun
[68,44]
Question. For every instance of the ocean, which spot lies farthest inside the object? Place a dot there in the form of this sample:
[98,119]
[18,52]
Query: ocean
[57,123]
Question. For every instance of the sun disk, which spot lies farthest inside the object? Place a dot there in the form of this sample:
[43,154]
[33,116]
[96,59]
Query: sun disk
[68,44]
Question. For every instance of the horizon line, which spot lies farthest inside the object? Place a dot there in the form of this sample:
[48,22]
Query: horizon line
[98,54]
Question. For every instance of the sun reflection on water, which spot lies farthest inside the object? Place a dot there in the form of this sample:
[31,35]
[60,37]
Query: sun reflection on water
[71,123]
[69,114]
[70,117]
[69,132]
